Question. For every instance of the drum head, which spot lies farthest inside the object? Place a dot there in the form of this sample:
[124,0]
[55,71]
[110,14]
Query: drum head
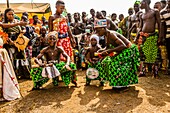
[92,73]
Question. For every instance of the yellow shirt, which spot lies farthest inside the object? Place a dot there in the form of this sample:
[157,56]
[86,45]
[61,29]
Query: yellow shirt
[37,28]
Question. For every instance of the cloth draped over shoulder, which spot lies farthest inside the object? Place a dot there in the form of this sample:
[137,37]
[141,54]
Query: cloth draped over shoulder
[60,25]
[8,80]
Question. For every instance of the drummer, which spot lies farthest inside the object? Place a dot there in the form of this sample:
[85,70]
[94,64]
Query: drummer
[122,58]
[52,54]
[93,60]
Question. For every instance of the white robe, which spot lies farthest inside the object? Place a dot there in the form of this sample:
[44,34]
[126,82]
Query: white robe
[8,80]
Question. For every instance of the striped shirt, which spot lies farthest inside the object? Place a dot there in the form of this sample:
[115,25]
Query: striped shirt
[165,17]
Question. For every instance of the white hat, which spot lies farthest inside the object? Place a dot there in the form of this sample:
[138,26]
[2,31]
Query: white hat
[95,37]
[100,23]
[53,33]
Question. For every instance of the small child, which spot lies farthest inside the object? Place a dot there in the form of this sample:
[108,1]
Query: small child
[92,59]
[40,41]
[43,37]
[85,42]
[94,47]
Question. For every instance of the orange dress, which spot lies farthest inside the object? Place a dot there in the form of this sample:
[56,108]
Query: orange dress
[3,35]
[60,25]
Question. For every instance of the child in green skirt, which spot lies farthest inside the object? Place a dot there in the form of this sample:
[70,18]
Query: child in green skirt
[93,60]
[51,67]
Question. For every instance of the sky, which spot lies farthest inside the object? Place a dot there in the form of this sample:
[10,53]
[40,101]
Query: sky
[111,6]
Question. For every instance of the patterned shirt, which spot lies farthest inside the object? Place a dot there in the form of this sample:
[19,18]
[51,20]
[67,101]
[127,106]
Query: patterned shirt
[165,17]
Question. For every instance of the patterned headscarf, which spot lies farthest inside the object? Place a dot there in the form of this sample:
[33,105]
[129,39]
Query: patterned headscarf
[53,33]
[100,23]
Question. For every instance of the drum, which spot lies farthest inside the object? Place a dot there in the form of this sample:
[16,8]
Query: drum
[92,73]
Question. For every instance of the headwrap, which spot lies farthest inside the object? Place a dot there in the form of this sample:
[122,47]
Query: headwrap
[53,33]
[100,23]
[137,2]
[97,39]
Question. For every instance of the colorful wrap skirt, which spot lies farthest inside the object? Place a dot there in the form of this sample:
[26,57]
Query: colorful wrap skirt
[66,44]
[148,47]
[66,75]
[121,70]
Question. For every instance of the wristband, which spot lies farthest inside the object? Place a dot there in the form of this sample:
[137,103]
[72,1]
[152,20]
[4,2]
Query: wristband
[100,56]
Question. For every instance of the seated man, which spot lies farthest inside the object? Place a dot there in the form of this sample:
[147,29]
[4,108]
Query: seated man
[52,65]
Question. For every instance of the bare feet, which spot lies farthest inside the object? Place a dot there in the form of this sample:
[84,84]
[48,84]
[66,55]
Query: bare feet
[75,83]
[141,74]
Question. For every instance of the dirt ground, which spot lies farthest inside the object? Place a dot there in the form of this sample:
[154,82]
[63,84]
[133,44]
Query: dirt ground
[149,96]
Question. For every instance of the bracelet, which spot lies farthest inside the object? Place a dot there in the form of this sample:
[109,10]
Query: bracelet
[100,56]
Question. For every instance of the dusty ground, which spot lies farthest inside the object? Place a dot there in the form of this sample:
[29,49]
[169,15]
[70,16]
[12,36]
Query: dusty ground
[149,96]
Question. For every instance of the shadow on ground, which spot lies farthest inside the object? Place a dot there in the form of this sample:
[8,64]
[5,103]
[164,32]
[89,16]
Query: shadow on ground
[157,90]
[110,100]
[45,97]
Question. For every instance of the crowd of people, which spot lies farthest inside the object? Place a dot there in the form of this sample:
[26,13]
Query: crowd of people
[109,49]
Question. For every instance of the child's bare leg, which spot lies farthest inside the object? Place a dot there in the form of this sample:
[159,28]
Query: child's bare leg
[142,69]
[55,81]
[88,81]
[74,80]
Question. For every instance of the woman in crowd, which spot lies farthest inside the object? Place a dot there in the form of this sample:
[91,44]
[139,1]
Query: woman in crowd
[16,44]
